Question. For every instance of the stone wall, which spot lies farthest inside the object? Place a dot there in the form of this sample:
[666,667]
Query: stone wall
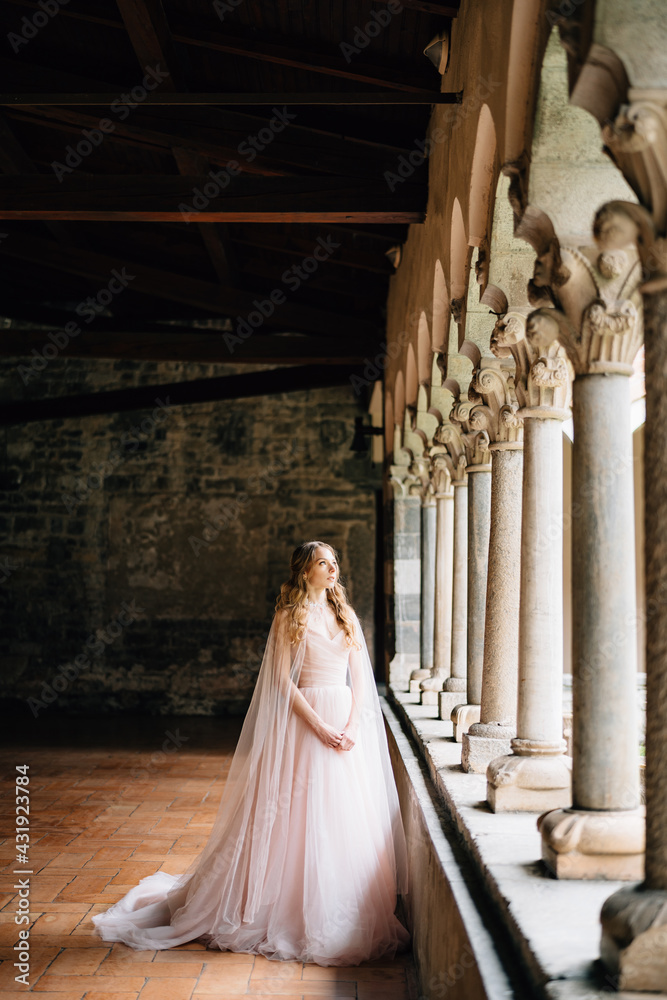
[152,544]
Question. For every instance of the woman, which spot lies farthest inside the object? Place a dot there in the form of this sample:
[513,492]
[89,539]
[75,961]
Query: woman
[307,852]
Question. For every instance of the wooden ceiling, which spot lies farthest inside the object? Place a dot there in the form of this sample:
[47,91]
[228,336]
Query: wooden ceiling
[209,149]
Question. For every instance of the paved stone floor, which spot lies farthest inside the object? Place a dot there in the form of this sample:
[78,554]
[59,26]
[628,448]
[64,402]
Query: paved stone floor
[112,800]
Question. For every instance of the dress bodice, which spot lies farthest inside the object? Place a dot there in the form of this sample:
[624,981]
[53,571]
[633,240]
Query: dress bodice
[325,659]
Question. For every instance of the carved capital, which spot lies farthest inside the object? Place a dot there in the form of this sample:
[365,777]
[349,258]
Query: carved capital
[402,482]
[542,380]
[420,471]
[637,141]
[596,314]
[474,435]
[621,223]
[440,474]
[449,438]
[493,384]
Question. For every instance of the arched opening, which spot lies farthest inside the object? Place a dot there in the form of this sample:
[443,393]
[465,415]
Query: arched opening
[440,323]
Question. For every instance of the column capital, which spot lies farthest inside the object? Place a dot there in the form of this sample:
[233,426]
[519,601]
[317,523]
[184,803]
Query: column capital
[620,223]
[402,481]
[637,142]
[476,440]
[421,486]
[543,379]
[449,437]
[595,312]
[492,390]
[441,478]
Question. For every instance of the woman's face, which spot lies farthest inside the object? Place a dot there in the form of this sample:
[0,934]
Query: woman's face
[324,569]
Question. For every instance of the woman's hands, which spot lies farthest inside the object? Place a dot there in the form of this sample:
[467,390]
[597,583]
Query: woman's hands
[348,741]
[330,737]
[336,739]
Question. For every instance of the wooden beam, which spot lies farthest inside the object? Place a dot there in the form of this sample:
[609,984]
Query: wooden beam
[215,238]
[284,52]
[146,24]
[276,51]
[221,136]
[265,99]
[15,161]
[243,199]
[284,243]
[200,346]
[429,7]
[367,130]
[279,380]
[203,295]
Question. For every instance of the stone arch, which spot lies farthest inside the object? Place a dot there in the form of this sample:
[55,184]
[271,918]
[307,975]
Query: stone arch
[423,350]
[528,36]
[411,377]
[482,179]
[440,323]
[570,175]
[388,422]
[399,399]
[458,253]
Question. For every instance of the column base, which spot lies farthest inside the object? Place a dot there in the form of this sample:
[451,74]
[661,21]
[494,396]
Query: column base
[448,700]
[482,743]
[587,843]
[463,717]
[634,938]
[416,677]
[430,688]
[517,783]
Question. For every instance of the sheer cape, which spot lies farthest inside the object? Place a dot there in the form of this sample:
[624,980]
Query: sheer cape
[244,854]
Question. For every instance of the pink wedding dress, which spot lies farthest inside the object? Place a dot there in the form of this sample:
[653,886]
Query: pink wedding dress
[307,853]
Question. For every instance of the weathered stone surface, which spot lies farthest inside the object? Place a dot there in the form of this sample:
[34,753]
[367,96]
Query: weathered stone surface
[477,751]
[189,512]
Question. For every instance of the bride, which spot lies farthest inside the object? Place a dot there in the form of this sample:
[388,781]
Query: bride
[307,852]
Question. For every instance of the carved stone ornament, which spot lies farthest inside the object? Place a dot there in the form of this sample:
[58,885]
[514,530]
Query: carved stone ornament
[449,436]
[571,837]
[475,439]
[420,469]
[634,938]
[440,474]
[637,141]
[494,386]
[621,223]
[596,317]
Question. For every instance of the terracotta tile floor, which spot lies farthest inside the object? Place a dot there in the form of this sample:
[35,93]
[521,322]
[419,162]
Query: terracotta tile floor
[112,800]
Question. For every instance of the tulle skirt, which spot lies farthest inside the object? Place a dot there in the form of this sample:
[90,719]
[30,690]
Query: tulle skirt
[329,893]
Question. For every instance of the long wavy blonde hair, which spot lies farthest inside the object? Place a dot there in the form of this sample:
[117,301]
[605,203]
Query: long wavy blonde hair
[294,594]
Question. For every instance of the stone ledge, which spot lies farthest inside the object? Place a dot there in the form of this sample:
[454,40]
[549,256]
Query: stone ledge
[554,925]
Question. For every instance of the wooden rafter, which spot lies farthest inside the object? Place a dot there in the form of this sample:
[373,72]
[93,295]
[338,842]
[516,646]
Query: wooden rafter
[244,199]
[147,27]
[292,98]
[203,347]
[279,380]
[215,238]
[161,284]
[278,51]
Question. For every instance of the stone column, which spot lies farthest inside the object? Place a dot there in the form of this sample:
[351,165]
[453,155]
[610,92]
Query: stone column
[405,586]
[490,736]
[444,553]
[421,486]
[536,775]
[428,580]
[454,688]
[634,919]
[596,319]
[479,514]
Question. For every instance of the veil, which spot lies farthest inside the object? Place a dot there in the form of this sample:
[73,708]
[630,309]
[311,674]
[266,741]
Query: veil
[238,870]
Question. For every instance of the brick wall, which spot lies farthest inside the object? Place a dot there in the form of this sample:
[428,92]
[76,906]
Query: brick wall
[151,544]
